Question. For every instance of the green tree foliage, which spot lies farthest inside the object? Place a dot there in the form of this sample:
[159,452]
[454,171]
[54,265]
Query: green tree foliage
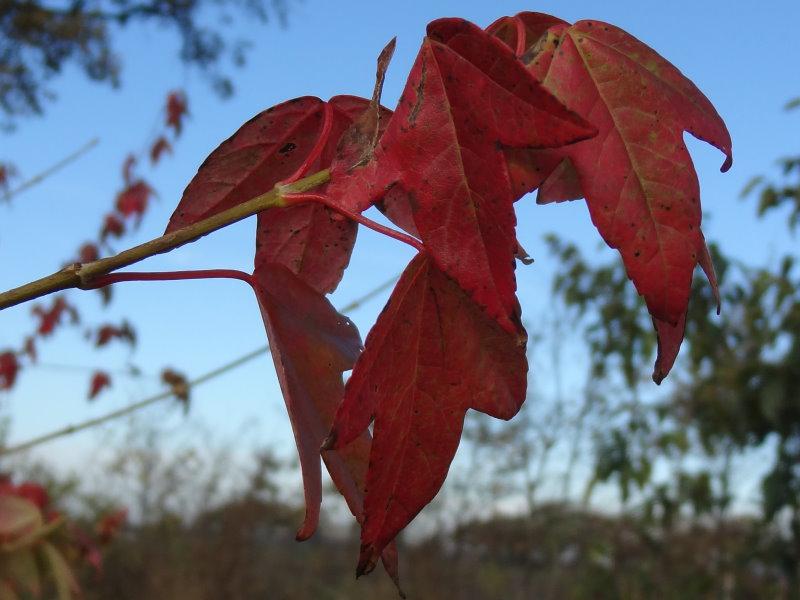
[772,195]
[738,389]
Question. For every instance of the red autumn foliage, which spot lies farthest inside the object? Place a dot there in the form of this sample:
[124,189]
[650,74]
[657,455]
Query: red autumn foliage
[159,147]
[50,544]
[177,109]
[112,227]
[578,110]
[463,85]
[432,355]
[9,367]
[109,525]
[38,541]
[636,175]
[486,116]
[105,530]
[50,318]
[33,492]
[312,345]
[132,201]
[294,138]
[100,380]
[107,333]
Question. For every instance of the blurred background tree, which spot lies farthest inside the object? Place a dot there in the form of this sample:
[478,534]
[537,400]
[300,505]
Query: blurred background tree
[38,40]
[684,456]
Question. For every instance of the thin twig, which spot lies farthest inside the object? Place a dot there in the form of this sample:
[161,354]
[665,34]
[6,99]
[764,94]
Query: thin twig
[81,275]
[131,408]
[36,179]
[129,372]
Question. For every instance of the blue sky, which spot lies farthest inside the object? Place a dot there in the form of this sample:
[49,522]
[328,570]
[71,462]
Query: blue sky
[742,55]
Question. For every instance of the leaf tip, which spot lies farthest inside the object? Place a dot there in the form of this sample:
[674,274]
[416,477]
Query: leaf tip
[384,58]
[727,164]
[658,375]
[310,521]
[367,560]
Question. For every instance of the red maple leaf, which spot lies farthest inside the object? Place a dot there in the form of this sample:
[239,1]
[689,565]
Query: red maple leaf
[112,227]
[312,345]
[159,147]
[637,176]
[9,367]
[100,381]
[432,355]
[292,139]
[132,201]
[467,100]
[108,332]
[177,109]
[50,318]
[312,240]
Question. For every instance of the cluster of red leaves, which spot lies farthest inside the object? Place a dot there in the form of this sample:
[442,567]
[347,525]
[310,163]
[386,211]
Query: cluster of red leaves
[486,116]
[133,199]
[37,540]
[48,320]
[301,253]
[130,203]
